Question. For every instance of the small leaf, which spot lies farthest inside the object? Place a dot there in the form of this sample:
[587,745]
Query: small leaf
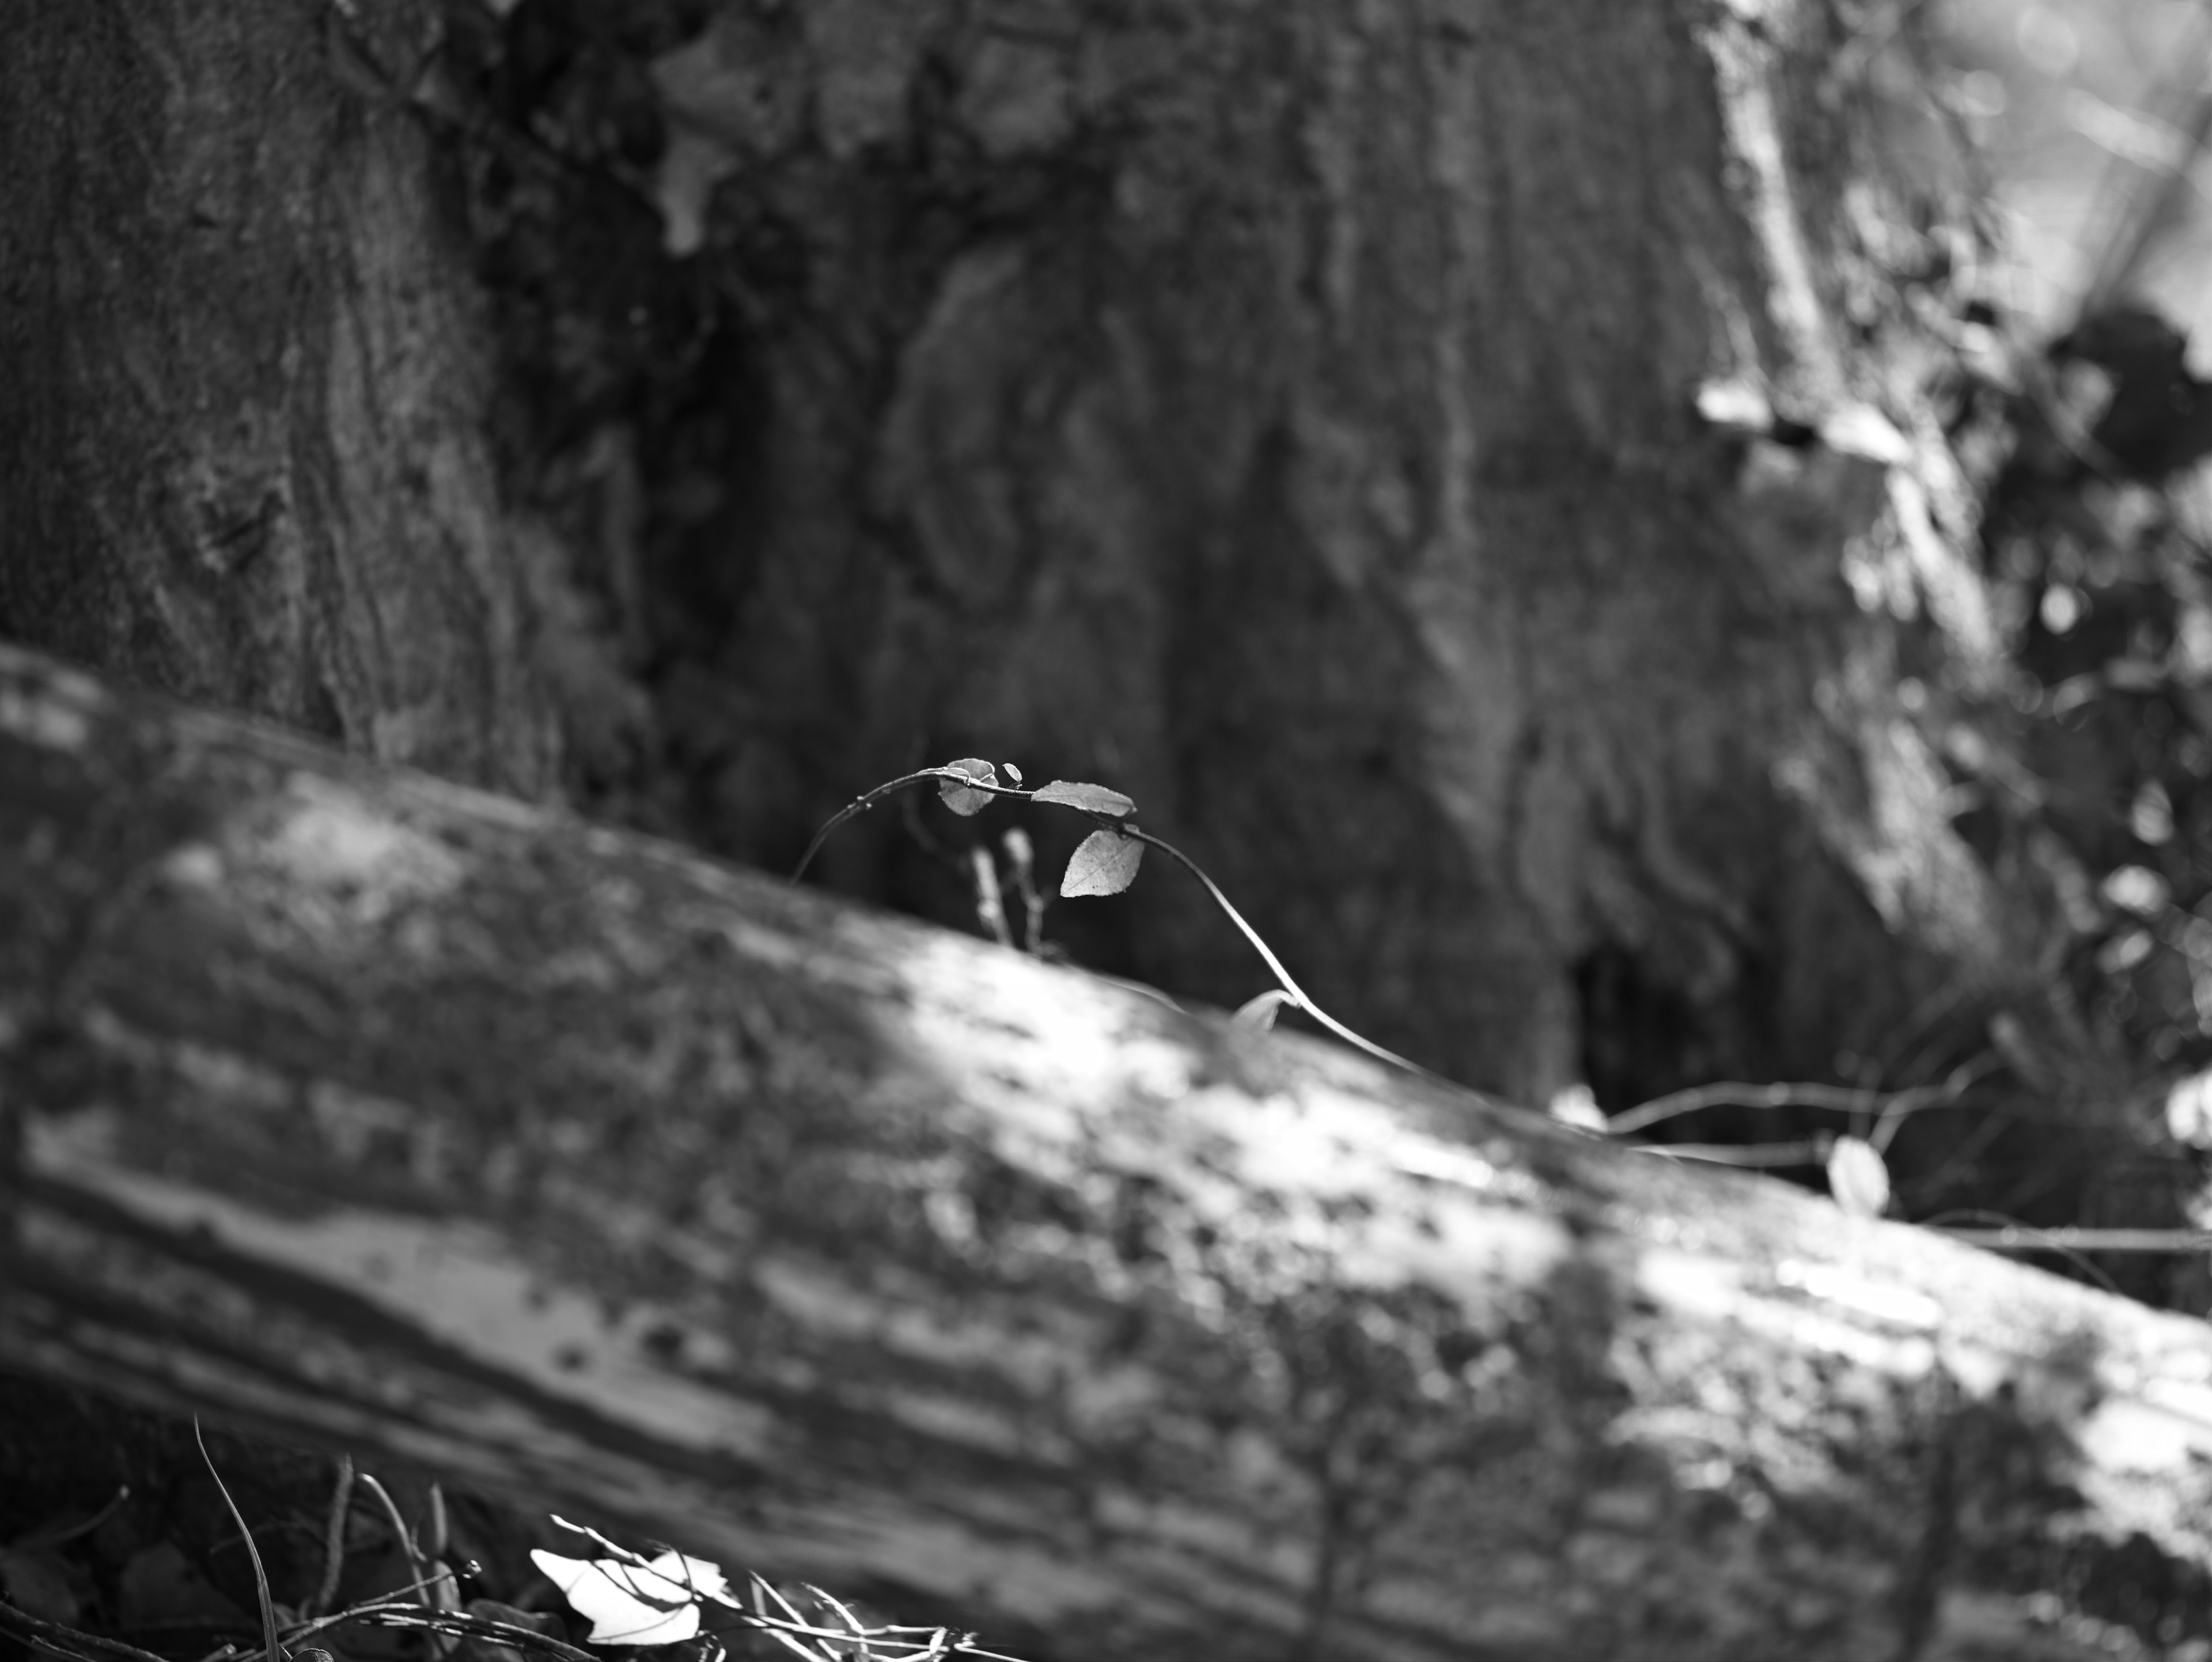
[1105,863]
[1259,1013]
[1094,799]
[1013,773]
[2189,1110]
[1857,1177]
[957,797]
[1577,1106]
[629,1603]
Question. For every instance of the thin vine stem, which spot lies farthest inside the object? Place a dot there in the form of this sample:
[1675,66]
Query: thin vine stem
[860,804]
[1275,965]
[1299,996]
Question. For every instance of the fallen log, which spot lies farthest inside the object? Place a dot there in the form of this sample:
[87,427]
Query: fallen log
[350,1106]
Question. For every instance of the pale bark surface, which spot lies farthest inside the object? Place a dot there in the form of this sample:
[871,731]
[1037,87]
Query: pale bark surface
[363,1108]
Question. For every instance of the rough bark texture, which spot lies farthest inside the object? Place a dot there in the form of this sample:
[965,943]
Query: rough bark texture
[364,1108]
[1286,413]
[1289,414]
[245,448]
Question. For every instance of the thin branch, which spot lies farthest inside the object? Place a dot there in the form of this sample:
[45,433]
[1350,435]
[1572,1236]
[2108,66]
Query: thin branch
[862,804]
[1810,1152]
[1782,1094]
[53,1634]
[334,1531]
[1275,965]
[389,1612]
[2026,1238]
[2085,1265]
[427,1577]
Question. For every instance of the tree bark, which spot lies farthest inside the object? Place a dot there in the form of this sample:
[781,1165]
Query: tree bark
[249,458]
[1290,413]
[362,1108]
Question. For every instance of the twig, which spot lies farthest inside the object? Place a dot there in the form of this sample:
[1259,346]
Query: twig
[862,804]
[990,909]
[1810,1152]
[427,1577]
[1842,1098]
[334,1539]
[393,1613]
[39,1539]
[53,1633]
[2026,1238]
[2071,1254]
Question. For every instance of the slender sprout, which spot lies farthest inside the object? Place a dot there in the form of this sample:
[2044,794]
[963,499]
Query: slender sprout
[1023,857]
[990,906]
[429,1577]
[270,1649]
[334,1530]
[1105,821]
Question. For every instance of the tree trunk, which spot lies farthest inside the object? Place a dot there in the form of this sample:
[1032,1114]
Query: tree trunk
[1290,414]
[247,451]
[364,1108]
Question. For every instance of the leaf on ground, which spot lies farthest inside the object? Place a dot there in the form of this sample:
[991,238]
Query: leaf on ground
[1093,799]
[1259,1013]
[1105,863]
[1857,1177]
[652,1603]
[957,797]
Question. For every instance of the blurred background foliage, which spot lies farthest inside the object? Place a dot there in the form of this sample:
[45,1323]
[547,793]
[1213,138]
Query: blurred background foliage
[2064,144]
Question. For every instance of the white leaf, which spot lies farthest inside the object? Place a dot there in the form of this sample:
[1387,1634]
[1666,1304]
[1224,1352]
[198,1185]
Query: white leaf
[1857,1177]
[652,1603]
[1577,1106]
[2189,1110]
